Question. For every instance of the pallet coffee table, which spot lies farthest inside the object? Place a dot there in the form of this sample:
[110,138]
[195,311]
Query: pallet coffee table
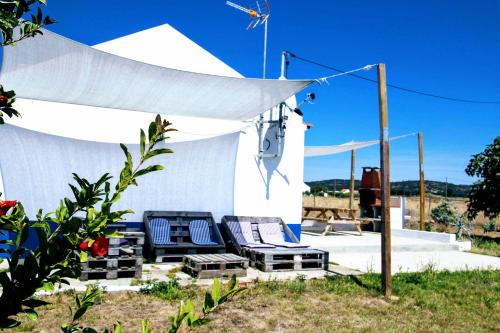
[215,265]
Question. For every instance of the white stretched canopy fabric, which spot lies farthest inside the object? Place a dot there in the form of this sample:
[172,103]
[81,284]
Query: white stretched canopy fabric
[199,176]
[311,151]
[56,69]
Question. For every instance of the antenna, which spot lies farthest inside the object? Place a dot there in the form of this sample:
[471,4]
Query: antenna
[258,16]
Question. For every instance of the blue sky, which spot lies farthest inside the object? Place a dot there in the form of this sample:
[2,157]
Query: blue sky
[450,48]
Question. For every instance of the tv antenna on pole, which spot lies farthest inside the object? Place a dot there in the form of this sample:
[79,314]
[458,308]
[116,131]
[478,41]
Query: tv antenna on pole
[258,16]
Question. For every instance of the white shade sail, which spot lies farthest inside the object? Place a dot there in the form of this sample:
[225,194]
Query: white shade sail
[199,176]
[56,69]
[311,151]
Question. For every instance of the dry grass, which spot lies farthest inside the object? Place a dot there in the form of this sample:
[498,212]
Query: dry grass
[428,302]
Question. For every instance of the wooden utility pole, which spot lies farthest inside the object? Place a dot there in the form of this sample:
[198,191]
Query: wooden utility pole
[351,187]
[386,185]
[422,181]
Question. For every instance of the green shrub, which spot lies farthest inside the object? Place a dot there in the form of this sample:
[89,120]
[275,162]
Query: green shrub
[166,290]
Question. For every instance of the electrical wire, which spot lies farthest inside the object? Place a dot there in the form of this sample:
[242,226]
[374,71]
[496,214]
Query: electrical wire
[413,91]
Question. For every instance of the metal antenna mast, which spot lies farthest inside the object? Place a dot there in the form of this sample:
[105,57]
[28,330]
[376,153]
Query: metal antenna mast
[258,16]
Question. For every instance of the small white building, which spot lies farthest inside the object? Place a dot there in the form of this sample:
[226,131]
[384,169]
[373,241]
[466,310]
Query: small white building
[78,103]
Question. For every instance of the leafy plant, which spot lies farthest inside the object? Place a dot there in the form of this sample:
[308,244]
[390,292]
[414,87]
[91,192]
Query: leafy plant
[6,100]
[12,24]
[185,314]
[74,221]
[445,214]
[91,296]
[15,28]
[297,285]
[167,290]
[484,195]
[212,301]
[490,226]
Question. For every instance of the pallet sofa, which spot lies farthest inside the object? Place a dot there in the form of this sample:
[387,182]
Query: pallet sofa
[173,234]
[266,257]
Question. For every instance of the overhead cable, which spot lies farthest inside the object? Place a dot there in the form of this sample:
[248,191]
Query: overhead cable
[413,91]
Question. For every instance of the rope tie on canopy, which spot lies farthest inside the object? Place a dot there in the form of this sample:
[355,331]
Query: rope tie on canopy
[323,80]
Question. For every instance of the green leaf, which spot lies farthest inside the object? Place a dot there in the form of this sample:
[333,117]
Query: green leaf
[152,132]
[143,142]
[145,327]
[47,286]
[31,314]
[80,312]
[9,323]
[232,284]
[149,169]
[216,288]
[127,154]
[84,256]
[158,151]
[39,16]
[208,303]
[34,303]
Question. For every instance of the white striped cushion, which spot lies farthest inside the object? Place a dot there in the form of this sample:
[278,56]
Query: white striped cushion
[271,234]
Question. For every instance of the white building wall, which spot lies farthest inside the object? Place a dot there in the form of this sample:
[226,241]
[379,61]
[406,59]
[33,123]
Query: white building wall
[271,187]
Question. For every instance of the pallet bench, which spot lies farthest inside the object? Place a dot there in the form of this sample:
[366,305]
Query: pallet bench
[279,258]
[215,265]
[179,234]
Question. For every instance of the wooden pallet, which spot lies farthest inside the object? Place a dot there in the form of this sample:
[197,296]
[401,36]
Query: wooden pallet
[131,244]
[123,259]
[111,263]
[111,274]
[281,259]
[215,265]
[178,254]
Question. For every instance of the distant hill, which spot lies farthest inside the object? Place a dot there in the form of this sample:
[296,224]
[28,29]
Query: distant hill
[408,187]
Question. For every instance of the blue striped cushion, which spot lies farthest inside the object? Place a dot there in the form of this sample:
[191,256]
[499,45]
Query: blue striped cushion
[200,232]
[160,231]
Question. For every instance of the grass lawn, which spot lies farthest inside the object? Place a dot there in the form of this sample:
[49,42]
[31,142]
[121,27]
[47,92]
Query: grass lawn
[427,302]
[487,247]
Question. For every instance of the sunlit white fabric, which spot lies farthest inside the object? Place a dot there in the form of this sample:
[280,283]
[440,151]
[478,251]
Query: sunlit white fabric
[199,176]
[57,69]
[310,151]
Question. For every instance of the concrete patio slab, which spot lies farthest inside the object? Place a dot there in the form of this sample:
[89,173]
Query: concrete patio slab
[417,261]
[352,242]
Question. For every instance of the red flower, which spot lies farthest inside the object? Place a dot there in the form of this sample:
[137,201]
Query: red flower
[100,247]
[6,205]
[84,246]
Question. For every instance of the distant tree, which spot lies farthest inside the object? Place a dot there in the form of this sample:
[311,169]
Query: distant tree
[484,195]
[318,189]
